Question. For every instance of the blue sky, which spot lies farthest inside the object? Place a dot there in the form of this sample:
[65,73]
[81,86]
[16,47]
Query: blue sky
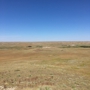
[44,20]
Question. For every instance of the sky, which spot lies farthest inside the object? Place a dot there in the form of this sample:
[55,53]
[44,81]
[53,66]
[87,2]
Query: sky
[44,20]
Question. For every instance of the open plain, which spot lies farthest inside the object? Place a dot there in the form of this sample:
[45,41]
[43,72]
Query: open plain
[45,66]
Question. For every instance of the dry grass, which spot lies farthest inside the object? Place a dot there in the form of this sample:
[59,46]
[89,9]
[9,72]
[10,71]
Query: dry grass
[45,66]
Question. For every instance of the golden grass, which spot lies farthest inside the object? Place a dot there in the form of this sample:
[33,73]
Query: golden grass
[45,68]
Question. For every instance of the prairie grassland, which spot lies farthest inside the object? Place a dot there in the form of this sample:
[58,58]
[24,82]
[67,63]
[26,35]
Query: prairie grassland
[45,66]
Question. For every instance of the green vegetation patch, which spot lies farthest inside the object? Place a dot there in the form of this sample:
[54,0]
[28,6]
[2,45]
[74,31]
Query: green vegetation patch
[14,47]
[84,46]
[76,46]
[39,46]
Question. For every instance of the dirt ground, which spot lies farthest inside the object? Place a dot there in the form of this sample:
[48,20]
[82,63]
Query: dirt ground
[45,66]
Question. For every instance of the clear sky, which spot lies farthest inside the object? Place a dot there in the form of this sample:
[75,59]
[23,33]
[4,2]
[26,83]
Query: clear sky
[44,20]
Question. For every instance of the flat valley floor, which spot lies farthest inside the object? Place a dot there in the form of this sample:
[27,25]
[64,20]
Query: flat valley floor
[45,66]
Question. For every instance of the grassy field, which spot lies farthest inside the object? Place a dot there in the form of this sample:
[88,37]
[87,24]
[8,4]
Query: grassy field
[45,66]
